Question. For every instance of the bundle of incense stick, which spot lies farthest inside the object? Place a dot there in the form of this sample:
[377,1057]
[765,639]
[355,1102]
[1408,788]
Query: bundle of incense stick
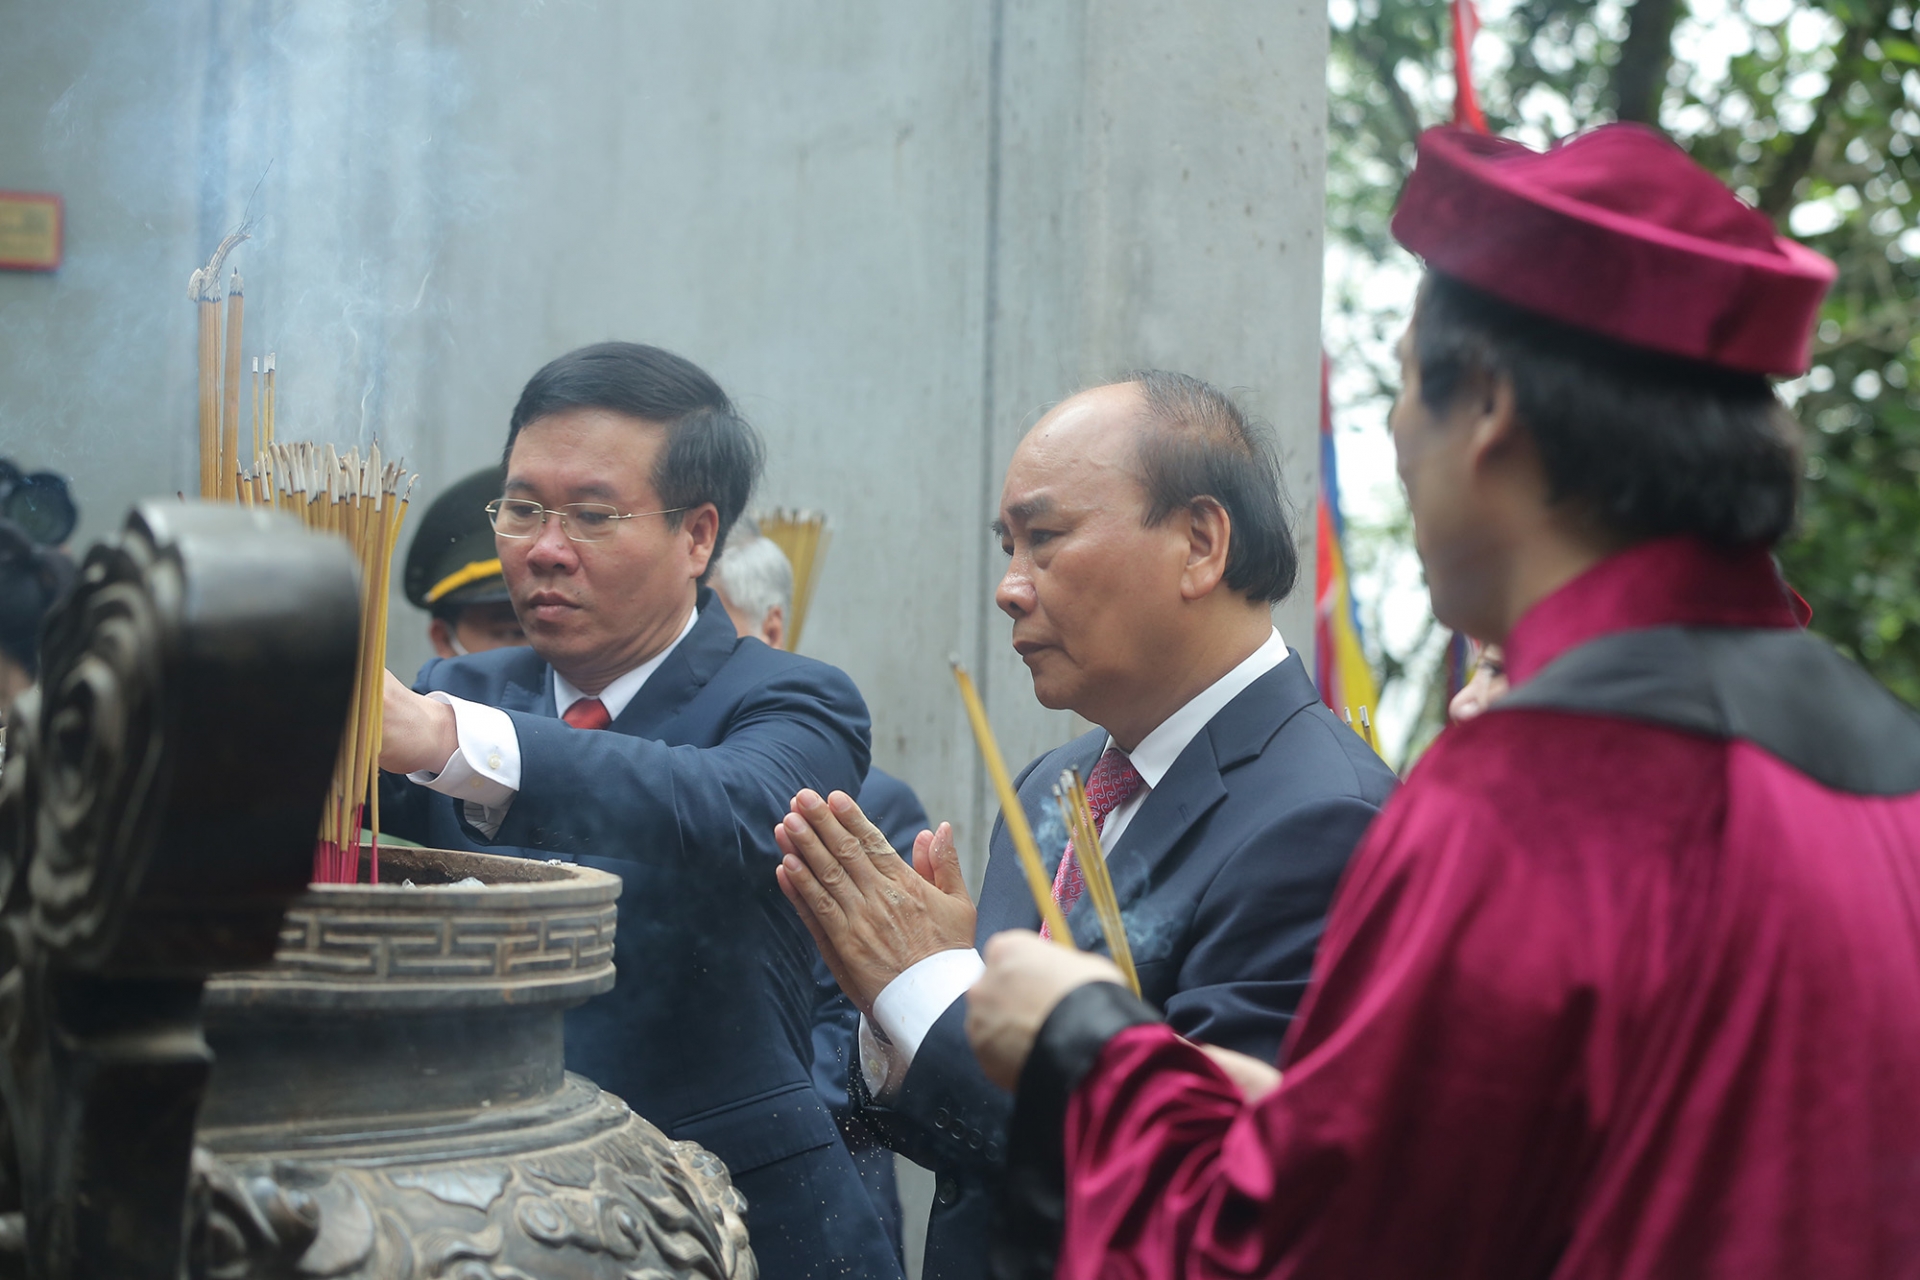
[219,390]
[1017,828]
[1364,728]
[363,502]
[803,535]
[1071,795]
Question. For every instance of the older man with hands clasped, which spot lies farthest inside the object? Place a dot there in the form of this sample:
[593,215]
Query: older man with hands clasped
[1146,543]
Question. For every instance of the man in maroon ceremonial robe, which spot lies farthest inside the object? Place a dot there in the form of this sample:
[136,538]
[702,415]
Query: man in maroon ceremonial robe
[1625,982]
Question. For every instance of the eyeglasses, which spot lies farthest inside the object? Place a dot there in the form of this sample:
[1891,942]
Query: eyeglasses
[580,521]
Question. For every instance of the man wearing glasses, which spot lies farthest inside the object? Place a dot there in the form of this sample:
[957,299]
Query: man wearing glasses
[639,735]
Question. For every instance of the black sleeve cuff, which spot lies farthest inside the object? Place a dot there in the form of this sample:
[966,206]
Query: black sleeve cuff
[1032,1209]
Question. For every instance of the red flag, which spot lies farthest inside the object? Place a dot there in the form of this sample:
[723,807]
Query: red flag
[1466,103]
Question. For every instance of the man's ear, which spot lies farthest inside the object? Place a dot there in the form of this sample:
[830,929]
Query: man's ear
[773,627]
[440,635]
[702,527]
[1494,432]
[1209,534]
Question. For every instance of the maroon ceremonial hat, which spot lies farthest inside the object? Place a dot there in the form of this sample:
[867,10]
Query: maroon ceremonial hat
[1620,233]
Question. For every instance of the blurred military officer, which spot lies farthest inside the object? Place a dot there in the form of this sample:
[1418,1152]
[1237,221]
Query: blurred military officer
[453,571]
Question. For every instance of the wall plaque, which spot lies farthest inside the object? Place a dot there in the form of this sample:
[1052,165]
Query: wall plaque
[29,231]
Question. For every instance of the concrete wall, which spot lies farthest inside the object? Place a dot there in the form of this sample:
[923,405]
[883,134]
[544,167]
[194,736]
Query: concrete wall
[894,232]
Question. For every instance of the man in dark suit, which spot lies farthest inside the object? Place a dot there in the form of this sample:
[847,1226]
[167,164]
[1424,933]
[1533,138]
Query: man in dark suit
[754,581]
[1147,543]
[640,735]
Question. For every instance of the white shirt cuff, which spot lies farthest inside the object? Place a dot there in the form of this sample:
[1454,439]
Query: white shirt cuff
[485,771]
[907,1007]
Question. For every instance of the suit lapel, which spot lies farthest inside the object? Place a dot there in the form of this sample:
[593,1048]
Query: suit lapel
[1238,732]
[528,687]
[1195,784]
[1049,828]
[1246,725]
[684,673]
[1005,902]
[1188,791]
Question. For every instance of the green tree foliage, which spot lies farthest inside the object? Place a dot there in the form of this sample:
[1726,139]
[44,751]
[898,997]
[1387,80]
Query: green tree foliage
[1810,109]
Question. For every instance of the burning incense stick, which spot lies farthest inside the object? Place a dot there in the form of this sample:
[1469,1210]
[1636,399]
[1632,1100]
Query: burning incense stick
[230,400]
[1016,817]
[364,501]
[266,444]
[204,290]
[209,309]
[1363,727]
[1071,795]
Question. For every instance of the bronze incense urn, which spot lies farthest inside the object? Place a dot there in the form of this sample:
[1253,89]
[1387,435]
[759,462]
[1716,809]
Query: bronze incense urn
[388,1098]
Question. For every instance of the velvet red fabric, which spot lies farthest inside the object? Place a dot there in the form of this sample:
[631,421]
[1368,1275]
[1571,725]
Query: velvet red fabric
[1598,999]
[1617,232]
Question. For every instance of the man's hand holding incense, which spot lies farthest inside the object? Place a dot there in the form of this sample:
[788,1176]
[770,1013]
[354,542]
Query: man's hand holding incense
[872,915]
[1026,977]
[417,734]
[1255,1079]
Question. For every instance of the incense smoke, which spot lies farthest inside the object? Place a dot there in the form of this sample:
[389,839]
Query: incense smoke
[343,131]
[1050,833]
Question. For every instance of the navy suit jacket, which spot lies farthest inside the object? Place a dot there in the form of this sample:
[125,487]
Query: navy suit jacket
[1224,878]
[708,1029]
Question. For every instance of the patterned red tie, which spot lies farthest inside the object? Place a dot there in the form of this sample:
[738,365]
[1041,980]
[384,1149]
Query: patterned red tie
[588,713]
[1111,784]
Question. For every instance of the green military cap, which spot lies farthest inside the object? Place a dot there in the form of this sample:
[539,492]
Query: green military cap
[452,560]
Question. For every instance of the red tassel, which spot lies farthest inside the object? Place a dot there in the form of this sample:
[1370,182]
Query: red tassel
[1466,103]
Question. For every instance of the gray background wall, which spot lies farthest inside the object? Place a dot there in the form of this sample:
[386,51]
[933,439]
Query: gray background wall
[894,232]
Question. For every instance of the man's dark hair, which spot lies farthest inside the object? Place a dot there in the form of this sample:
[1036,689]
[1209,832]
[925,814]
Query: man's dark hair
[1653,444]
[712,454]
[1197,444]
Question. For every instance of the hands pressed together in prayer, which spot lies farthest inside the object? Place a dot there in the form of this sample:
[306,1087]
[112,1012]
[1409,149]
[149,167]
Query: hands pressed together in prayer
[873,916]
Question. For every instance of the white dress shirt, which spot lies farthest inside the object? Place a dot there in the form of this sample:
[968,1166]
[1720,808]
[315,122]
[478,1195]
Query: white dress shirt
[909,1005]
[484,770]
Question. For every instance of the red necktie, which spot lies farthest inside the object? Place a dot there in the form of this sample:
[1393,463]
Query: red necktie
[1111,784]
[588,713]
